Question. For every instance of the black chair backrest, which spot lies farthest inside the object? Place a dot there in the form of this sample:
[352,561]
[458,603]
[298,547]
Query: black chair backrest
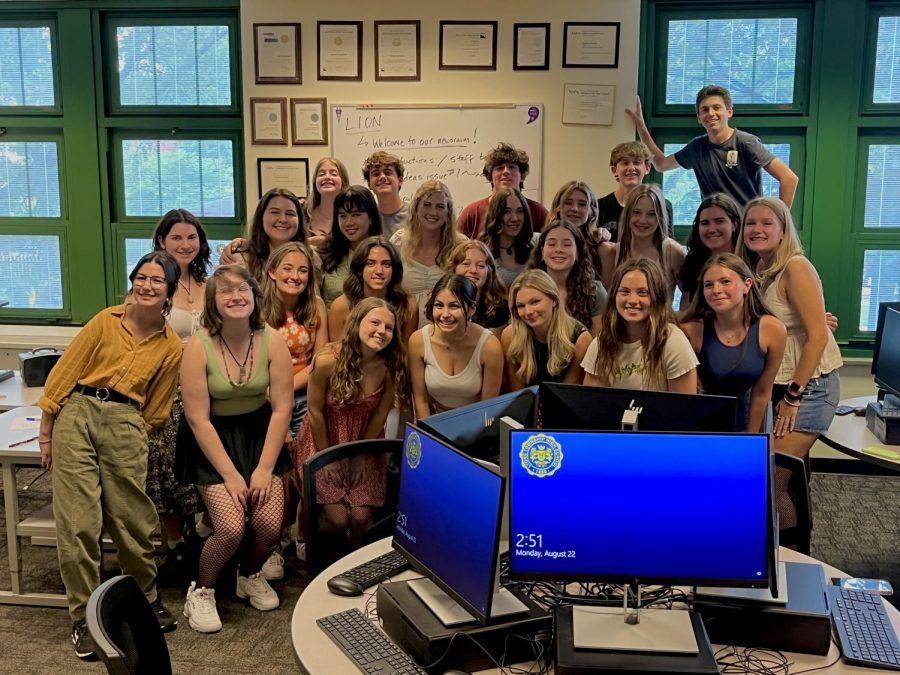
[321,548]
[793,502]
[126,632]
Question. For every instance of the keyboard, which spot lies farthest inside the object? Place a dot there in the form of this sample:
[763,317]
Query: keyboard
[355,580]
[864,629]
[368,647]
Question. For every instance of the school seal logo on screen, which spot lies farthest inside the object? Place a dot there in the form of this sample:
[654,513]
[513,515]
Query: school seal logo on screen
[541,455]
[413,450]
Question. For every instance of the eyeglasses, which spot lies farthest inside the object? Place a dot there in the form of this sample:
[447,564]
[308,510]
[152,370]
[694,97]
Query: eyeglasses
[155,282]
[226,290]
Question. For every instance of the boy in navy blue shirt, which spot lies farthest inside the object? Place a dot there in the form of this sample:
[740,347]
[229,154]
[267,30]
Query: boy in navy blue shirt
[725,159]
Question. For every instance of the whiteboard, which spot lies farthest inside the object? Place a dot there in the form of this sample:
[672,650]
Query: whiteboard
[446,143]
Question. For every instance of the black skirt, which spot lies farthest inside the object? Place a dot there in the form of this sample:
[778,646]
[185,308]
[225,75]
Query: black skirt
[242,436]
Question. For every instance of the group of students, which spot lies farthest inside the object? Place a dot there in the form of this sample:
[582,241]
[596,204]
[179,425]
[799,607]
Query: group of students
[330,314]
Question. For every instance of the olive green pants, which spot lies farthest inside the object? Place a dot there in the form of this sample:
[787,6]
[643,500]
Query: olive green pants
[99,472]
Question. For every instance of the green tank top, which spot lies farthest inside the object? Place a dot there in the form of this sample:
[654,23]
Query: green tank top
[226,398]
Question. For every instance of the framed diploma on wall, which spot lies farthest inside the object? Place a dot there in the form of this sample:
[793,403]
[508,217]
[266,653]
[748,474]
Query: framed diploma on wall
[290,173]
[340,50]
[276,53]
[590,44]
[309,123]
[268,121]
[398,51]
[531,46]
[468,45]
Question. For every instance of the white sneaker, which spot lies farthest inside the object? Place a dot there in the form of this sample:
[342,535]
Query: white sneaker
[255,587]
[273,568]
[200,609]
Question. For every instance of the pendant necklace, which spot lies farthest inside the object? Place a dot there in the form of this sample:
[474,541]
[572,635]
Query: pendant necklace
[187,289]
[242,370]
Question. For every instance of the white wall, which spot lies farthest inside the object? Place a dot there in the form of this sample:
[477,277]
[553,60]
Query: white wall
[569,151]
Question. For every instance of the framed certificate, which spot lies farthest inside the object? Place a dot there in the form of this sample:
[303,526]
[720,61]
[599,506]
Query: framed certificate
[468,45]
[291,173]
[531,46]
[340,50]
[276,53]
[268,121]
[398,50]
[309,123]
[590,45]
[588,103]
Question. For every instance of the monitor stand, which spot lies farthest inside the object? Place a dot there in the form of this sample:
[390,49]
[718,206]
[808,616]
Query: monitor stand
[654,630]
[451,613]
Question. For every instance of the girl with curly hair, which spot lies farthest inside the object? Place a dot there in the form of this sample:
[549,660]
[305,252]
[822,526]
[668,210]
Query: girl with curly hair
[509,232]
[562,252]
[473,260]
[375,272]
[352,386]
[640,345]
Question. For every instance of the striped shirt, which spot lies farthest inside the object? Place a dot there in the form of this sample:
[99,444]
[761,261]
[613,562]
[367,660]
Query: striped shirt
[105,354]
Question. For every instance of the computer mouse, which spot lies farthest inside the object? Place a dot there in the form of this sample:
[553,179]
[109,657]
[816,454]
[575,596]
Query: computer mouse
[860,411]
[344,586]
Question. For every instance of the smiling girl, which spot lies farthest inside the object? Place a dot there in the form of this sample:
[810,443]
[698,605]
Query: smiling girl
[562,252]
[640,345]
[453,362]
[643,233]
[543,343]
[714,231]
[739,342]
[807,385]
[426,241]
[353,384]
[508,232]
[375,272]
[473,260]
[114,383]
[329,178]
[356,217]
[576,203]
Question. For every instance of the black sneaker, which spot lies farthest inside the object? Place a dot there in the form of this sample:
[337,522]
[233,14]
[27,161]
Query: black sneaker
[166,619]
[81,638]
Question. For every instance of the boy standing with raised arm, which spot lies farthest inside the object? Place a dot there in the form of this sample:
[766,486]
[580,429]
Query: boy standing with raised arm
[725,159]
[383,174]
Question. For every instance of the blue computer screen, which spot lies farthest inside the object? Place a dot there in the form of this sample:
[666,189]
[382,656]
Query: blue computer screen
[448,517]
[657,507]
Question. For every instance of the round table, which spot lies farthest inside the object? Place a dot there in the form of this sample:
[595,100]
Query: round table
[315,652]
[849,434]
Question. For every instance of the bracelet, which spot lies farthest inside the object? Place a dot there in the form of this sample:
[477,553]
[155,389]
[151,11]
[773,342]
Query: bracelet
[44,442]
[791,403]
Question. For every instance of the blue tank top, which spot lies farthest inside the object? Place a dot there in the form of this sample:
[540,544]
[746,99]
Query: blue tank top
[730,371]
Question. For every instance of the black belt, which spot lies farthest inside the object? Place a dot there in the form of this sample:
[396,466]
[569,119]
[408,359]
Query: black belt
[104,394]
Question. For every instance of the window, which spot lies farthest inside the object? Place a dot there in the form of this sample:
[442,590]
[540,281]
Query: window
[754,58]
[30,272]
[197,175]
[887,61]
[29,180]
[26,66]
[144,116]
[174,65]
[136,248]
[880,283]
[882,186]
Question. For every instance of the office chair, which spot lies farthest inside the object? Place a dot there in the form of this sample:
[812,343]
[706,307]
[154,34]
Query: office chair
[126,633]
[793,502]
[323,548]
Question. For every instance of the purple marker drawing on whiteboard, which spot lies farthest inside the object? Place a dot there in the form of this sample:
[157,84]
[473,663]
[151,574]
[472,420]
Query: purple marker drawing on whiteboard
[533,113]
[337,111]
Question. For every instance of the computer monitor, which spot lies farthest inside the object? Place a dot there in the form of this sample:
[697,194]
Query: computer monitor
[879,328]
[576,406]
[641,507]
[448,526]
[475,428]
[887,367]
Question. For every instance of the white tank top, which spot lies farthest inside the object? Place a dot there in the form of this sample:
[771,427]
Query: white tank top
[453,391]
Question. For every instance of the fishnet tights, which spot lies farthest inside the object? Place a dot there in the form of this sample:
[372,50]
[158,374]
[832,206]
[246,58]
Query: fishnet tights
[228,530]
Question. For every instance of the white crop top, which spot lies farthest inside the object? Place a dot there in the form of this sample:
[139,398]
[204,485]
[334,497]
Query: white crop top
[453,391]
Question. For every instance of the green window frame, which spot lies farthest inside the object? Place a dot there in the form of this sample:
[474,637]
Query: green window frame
[37,21]
[867,102]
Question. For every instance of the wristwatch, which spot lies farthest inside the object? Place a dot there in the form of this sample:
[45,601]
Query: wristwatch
[795,391]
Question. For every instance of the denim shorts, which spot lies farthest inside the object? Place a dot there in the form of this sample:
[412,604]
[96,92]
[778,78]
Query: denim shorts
[299,410]
[820,398]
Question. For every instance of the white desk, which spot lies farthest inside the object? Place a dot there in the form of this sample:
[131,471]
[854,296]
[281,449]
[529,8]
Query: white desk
[315,652]
[14,393]
[849,434]
[27,454]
